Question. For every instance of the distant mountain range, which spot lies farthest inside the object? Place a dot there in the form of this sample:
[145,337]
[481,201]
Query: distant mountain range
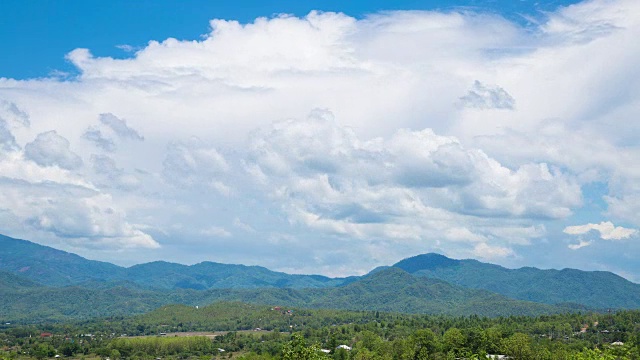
[52,267]
[39,283]
[595,289]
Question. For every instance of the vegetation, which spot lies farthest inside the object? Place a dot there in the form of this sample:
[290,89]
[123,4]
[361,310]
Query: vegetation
[33,265]
[390,289]
[302,334]
[593,289]
[51,267]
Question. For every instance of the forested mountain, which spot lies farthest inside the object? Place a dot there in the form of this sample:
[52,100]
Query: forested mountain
[390,289]
[211,275]
[52,267]
[595,289]
[39,282]
[49,266]
[11,282]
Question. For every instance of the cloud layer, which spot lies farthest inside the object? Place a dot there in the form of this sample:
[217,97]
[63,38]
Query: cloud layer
[294,142]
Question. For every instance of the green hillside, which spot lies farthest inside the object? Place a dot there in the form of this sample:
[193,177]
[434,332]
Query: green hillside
[12,282]
[386,290]
[52,267]
[595,289]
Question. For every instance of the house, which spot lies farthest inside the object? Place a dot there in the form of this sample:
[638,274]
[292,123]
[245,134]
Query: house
[617,343]
[497,357]
[348,348]
[326,351]
[46,335]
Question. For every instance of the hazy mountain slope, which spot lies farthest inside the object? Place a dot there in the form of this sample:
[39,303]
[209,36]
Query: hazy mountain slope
[386,290]
[211,275]
[53,267]
[410,285]
[49,266]
[12,282]
[595,289]
[393,289]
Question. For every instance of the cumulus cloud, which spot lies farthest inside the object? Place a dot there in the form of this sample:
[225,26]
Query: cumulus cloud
[74,212]
[411,162]
[488,252]
[487,97]
[216,231]
[96,136]
[11,113]
[7,140]
[416,185]
[243,226]
[194,163]
[120,127]
[115,176]
[10,116]
[91,218]
[580,244]
[49,149]
[607,230]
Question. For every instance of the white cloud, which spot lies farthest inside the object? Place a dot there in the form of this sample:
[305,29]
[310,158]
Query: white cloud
[10,116]
[115,177]
[401,169]
[194,163]
[243,226]
[50,149]
[607,230]
[95,135]
[487,97]
[488,252]
[11,113]
[580,244]
[7,140]
[71,212]
[120,127]
[326,175]
[216,231]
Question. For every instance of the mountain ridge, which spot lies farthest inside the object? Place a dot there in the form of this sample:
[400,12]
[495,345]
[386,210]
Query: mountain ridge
[55,268]
[597,289]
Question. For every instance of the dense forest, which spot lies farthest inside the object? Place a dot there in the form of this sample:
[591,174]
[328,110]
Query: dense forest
[245,331]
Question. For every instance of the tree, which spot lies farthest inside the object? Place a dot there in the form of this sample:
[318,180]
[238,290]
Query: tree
[296,349]
[422,343]
[115,354]
[518,347]
[43,351]
[453,340]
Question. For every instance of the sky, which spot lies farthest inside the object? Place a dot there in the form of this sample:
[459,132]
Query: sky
[324,137]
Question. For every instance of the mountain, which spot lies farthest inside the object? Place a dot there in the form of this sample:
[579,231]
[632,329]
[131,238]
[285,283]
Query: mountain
[393,289]
[39,282]
[594,289]
[390,289]
[12,282]
[211,275]
[48,266]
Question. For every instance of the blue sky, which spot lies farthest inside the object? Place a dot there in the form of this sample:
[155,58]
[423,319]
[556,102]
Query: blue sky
[323,137]
[38,34]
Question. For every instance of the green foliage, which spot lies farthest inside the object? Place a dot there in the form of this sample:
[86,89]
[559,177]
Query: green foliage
[594,289]
[390,289]
[296,349]
[57,268]
[372,335]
